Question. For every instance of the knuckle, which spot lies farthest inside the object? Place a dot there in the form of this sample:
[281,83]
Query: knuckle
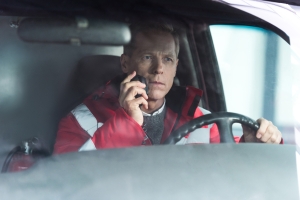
[130,89]
[266,122]
[123,82]
[264,139]
[141,99]
[126,86]
[273,139]
[272,130]
[261,132]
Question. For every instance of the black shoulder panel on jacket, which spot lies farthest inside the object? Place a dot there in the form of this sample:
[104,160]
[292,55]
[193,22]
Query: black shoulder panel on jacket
[175,98]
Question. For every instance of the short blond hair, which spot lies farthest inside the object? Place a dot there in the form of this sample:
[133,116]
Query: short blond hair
[149,25]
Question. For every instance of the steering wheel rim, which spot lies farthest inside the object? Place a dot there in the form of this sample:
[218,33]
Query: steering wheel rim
[224,121]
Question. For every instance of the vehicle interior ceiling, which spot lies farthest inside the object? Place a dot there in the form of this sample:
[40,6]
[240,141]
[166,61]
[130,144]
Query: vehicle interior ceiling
[42,82]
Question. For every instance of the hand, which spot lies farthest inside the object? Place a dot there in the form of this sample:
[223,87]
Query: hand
[267,133]
[128,90]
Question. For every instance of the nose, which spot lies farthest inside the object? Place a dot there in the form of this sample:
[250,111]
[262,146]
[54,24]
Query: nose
[158,67]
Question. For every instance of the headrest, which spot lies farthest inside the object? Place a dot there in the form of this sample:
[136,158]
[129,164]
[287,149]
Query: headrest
[95,71]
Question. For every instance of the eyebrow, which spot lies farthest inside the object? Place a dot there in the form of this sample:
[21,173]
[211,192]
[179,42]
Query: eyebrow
[170,54]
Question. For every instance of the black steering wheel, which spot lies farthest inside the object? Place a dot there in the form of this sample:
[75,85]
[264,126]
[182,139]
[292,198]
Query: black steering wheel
[224,121]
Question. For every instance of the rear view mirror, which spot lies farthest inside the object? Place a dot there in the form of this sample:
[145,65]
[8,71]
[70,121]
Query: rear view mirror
[74,31]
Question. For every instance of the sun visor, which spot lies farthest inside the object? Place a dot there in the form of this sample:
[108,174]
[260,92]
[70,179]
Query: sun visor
[77,31]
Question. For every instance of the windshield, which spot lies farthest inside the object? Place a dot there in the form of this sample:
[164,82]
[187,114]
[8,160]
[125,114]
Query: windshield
[83,85]
[263,65]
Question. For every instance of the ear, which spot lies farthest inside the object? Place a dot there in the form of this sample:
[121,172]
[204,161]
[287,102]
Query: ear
[124,63]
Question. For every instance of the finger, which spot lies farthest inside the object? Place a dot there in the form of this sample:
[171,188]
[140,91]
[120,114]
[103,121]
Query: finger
[130,86]
[270,132]
[130,94]
[273,138]
[278,136]
[129,77]
[262,127]
[127,86]
[135,103]
[126,80]
[133,91]
[278,140]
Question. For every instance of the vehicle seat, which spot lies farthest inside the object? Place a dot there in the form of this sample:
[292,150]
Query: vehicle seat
[95,71]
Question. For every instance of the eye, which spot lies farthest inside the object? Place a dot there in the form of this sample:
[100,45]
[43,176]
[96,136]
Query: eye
[168,59]
[147,57]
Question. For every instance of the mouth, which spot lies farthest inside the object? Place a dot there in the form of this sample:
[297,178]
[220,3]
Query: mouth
[156,83]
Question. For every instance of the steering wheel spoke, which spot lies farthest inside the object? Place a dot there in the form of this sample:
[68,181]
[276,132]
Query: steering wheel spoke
[225,129]
[224,121]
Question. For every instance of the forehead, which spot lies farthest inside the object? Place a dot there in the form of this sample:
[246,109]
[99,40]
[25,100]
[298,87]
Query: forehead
[153,41]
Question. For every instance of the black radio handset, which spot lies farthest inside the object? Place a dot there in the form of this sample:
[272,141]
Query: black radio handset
[142,80]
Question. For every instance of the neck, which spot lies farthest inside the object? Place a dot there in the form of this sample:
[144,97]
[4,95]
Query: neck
[153,105]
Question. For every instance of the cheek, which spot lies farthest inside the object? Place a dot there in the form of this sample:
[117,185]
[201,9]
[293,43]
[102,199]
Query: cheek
[133,66]
[170,77]
[140,67]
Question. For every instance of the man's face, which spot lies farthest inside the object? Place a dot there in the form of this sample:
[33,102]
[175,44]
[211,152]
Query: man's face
[154,57]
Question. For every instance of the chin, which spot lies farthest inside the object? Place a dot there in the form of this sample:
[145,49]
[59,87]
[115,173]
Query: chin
[156,95]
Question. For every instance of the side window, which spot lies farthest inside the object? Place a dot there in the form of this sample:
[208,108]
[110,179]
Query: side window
[257,75]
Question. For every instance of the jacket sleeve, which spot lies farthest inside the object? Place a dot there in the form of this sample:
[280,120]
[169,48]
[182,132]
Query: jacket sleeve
[118,131]
[70,136]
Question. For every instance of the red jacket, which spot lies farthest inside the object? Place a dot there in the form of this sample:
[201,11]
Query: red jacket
[100,122]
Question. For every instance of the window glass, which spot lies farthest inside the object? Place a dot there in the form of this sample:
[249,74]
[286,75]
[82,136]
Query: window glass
[257,75]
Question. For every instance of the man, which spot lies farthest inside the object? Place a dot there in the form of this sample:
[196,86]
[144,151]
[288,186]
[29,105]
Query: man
[114,116]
